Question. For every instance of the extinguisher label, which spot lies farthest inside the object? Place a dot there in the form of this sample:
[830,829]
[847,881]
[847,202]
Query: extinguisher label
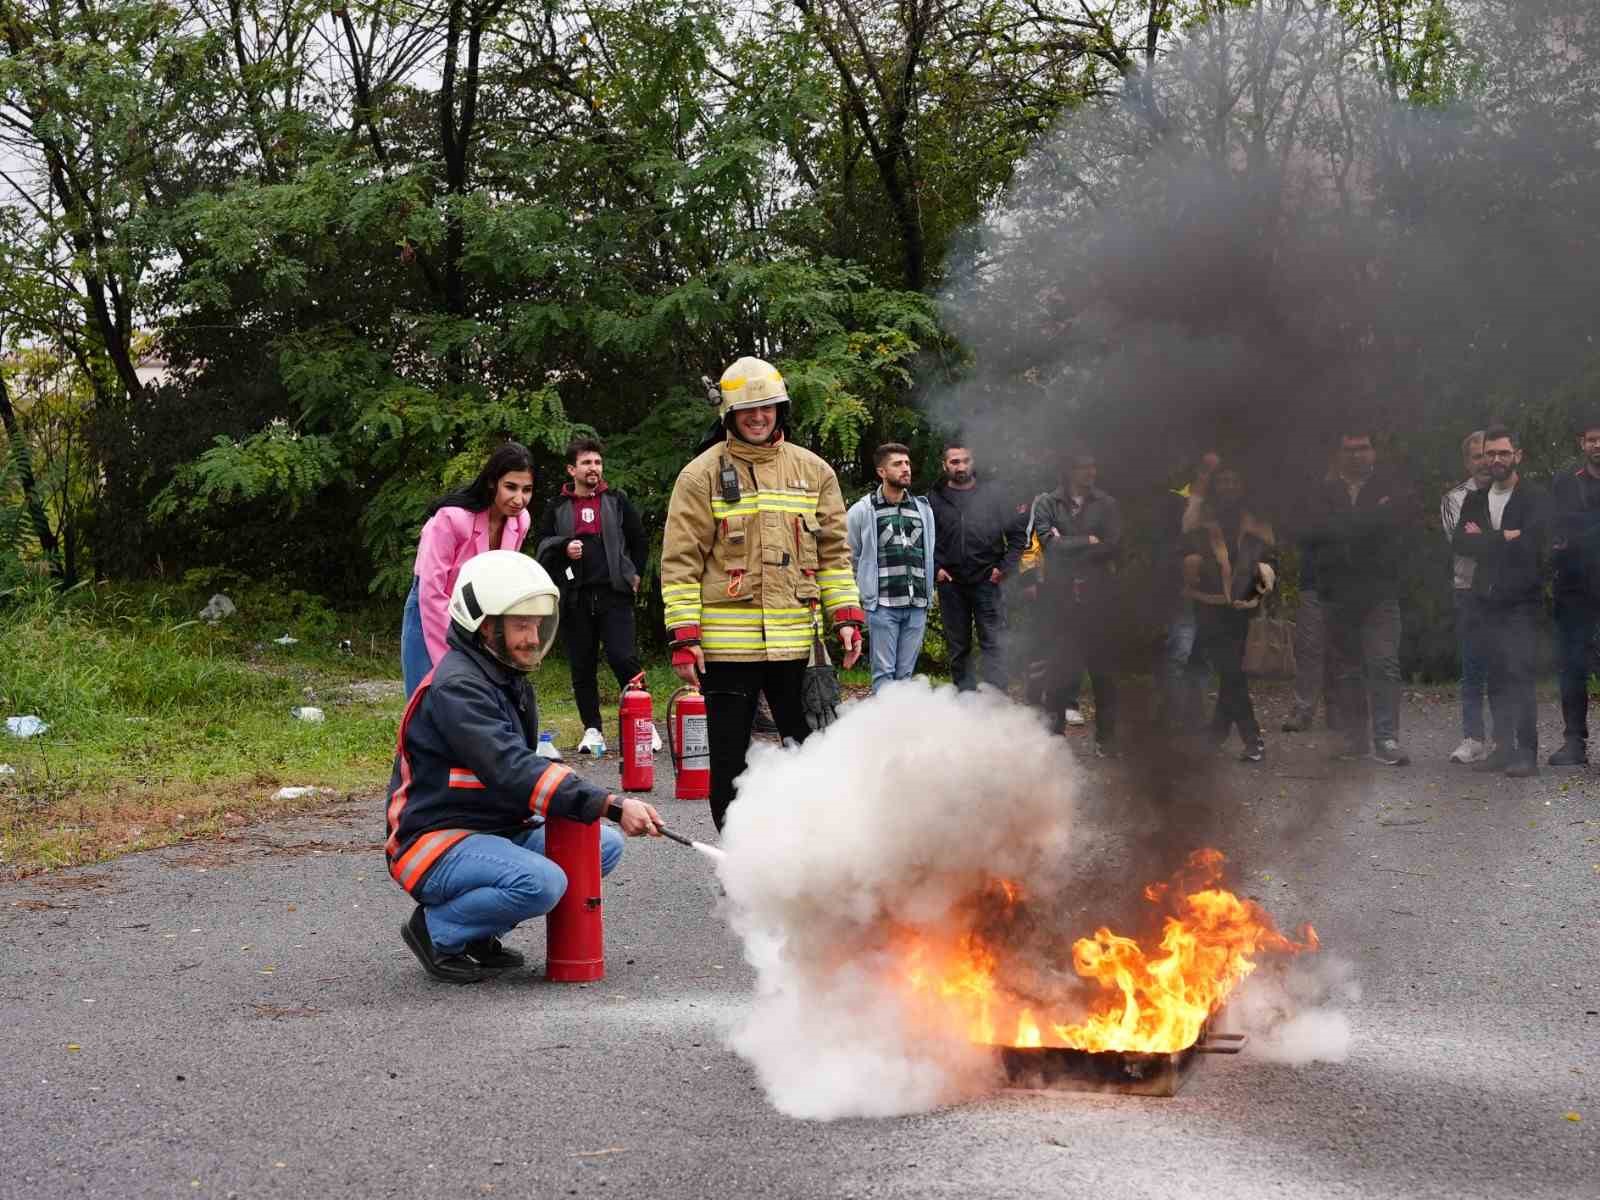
[642,741]
[696,744]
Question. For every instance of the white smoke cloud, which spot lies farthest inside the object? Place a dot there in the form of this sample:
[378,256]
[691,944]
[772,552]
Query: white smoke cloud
[1293,1010]
[892,816]
[899,816]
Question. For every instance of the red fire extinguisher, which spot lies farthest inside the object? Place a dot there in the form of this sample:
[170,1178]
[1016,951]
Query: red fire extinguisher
[635,726]
[574,931]
[690,745]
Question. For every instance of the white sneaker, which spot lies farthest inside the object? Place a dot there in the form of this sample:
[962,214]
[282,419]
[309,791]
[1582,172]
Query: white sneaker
[655,740]
[593,742]
[1471,750]
[1074,716]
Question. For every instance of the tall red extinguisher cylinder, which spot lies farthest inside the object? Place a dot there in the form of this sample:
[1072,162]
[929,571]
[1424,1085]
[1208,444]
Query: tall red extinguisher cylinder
[636,727]
[690,744]
[574,932]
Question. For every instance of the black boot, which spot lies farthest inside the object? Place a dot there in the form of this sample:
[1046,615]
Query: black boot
[1574,752]
[1498,761]
[1524,764]
[492,956]
[451,968]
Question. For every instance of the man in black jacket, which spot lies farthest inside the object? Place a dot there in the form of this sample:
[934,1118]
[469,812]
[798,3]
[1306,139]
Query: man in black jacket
[591,541]
[1575,544]
[469,797]
[1354,529]
[979,535]
[1502,529]
[1079,528]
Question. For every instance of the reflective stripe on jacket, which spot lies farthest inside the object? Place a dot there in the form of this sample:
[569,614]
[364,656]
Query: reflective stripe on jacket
[465,763]
[745,576]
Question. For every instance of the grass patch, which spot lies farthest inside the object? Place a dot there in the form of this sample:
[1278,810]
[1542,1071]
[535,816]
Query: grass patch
[163,727]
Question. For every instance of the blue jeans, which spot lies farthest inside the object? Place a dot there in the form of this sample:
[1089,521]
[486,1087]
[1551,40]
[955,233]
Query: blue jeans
[486,884]
[1470,635]
[414,660]
[896,637]
[1185,672]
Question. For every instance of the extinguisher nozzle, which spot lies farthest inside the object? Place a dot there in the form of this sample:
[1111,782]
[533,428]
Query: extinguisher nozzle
[712,852]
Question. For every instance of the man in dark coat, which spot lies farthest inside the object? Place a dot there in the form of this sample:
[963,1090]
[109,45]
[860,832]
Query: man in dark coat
[1503,529]
[592,542]
[1354,526]
[979,535]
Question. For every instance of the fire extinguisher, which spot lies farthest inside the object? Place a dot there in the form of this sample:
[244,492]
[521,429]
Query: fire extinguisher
[636,728]
[690,744]
[575,938]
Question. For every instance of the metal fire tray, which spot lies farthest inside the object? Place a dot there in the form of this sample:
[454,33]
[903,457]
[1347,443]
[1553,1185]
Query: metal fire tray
[1052,1068]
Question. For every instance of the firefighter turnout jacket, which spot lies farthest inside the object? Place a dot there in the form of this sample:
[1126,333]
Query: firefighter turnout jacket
[754,546]
[465,763]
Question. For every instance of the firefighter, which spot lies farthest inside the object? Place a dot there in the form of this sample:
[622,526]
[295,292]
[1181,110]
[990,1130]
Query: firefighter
[469,796]
[753,558]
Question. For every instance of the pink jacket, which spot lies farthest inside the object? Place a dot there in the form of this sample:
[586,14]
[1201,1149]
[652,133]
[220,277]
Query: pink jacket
[451,536]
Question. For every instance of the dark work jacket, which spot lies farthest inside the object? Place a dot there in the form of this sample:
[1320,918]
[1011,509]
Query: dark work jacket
[1357,551]
[465,763]
[1507,573]
[621,537]
[1071,562]
[1575,532]
[977,530]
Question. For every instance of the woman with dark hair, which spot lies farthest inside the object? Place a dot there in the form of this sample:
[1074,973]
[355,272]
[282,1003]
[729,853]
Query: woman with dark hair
[489,514]
[1227,570]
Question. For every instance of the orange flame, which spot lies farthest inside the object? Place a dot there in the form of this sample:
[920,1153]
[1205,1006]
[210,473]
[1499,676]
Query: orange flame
[1154,1001]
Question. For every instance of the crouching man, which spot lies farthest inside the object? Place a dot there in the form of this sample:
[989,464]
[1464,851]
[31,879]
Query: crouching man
[469,797]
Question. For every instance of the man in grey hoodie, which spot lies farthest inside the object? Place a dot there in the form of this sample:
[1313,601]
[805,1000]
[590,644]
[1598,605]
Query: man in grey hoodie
[891,546]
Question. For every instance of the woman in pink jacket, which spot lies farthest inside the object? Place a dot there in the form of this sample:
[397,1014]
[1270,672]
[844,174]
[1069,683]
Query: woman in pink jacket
[490,514]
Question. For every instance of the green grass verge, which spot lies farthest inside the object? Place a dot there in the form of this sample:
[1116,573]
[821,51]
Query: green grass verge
[163,727]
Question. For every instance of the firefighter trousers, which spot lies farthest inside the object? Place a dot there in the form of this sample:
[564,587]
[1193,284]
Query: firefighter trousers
[730,689]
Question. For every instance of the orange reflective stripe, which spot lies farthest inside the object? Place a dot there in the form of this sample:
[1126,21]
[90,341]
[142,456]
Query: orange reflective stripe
[423,853]
[397,802]
[539,802]
[460,777]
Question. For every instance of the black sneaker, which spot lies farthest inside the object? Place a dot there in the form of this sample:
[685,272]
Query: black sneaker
[1573,753]
[451,968]
[1388,752]
[1298,721]
[492,956]
[1523,766]
[1254,751]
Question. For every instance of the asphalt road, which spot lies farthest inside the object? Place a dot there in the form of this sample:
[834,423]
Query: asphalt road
[240,1018]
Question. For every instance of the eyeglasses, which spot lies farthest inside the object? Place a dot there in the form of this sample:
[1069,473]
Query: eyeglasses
[1506,454]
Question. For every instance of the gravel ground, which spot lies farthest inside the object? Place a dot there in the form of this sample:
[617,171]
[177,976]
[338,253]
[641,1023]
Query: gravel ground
[240,1018]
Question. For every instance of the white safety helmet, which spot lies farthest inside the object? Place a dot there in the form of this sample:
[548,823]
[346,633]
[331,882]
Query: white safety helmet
[749,383]
[505,583]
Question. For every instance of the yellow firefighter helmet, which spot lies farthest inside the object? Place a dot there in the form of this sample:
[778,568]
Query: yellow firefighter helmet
[749,383]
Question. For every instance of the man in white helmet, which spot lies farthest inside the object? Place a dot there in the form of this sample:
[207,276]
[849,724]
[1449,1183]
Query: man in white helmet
[754,558]
[469,797]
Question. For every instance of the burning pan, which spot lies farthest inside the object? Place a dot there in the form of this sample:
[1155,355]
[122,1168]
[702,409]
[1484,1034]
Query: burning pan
[1135,1074]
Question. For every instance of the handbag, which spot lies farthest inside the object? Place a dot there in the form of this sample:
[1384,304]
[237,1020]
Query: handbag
[1269,647]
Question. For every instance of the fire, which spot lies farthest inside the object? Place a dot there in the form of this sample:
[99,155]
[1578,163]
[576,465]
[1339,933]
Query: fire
[1151,1000]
